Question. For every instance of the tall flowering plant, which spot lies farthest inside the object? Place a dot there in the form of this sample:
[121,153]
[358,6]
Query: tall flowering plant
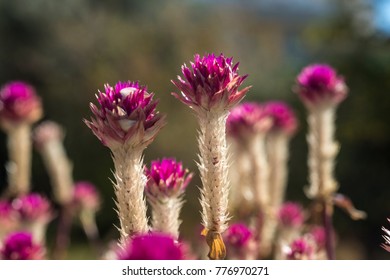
[126,121]
[210,87]
[167,181]
[20,107]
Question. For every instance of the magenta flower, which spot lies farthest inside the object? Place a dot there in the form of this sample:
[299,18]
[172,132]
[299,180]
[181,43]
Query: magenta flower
[127,114]
[237,235]
[318,235]
[33,207]
[211,83]
[19,103]
[247,119]
[153,246]
[291,215]
[166,177]
[85,196]
[283,117]
[20,246]
[300,249]
[386,245]
[319,84]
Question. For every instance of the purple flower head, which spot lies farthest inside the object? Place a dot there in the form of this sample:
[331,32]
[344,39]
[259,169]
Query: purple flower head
[85,196]
[166,178]
[19,103]
[300,249]
[20,246]
[126,115]
[291,215]
[247,119]
[318,235]
[386,236]
[211,83]
[283,117]
[47,131]
[319,84]
[237,235]
[153,246]
[33,207]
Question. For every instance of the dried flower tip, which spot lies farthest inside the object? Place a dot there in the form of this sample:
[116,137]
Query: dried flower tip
[166,178]
[33,207]
[319,84]
[300,249]
[47,131]
[153,246]
[237,235]
[21,246]
[386,245]
[291,215]
[283,117]
[19,103]
[126,116]
[85,196]
[247,119]
[211,83]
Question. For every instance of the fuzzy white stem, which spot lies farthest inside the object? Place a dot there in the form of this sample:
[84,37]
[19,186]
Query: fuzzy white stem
[240,173]
[19,165]
[322,152]
[60,170]
[129,188]
[213,168]
[165,214]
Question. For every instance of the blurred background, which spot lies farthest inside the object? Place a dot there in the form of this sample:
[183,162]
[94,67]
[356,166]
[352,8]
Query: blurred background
[69,49]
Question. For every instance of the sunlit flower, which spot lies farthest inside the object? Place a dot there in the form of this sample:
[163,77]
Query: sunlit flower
[319,84]
[211,83]
[238,235]
[33,207]
[300,249]
[248,119]
[166,178]
[127,114]
[85,196]
[291,215]
[21,246]
[153,246]
[283,117]
[19,103]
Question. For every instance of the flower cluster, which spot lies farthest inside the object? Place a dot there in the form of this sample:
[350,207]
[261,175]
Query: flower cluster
[33,207]
[211,83]
[167,178]
[153,246]
[300,249]
[319,84]
[291,215]
[47,131]
[282,116]
[85,196]
[21,246]
[19,103]
[237,235]
[127,115]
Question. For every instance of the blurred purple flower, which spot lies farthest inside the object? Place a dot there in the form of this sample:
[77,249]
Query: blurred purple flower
[166,177]
[33,207]
[127,113]
[283,117]
[318,235]
[153,246]
[19,103]
[319,84]
[85,196]
[247,119]
[300,249]
[20,246]
[211,83]
[47,131]
[291,215]
[237,235]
